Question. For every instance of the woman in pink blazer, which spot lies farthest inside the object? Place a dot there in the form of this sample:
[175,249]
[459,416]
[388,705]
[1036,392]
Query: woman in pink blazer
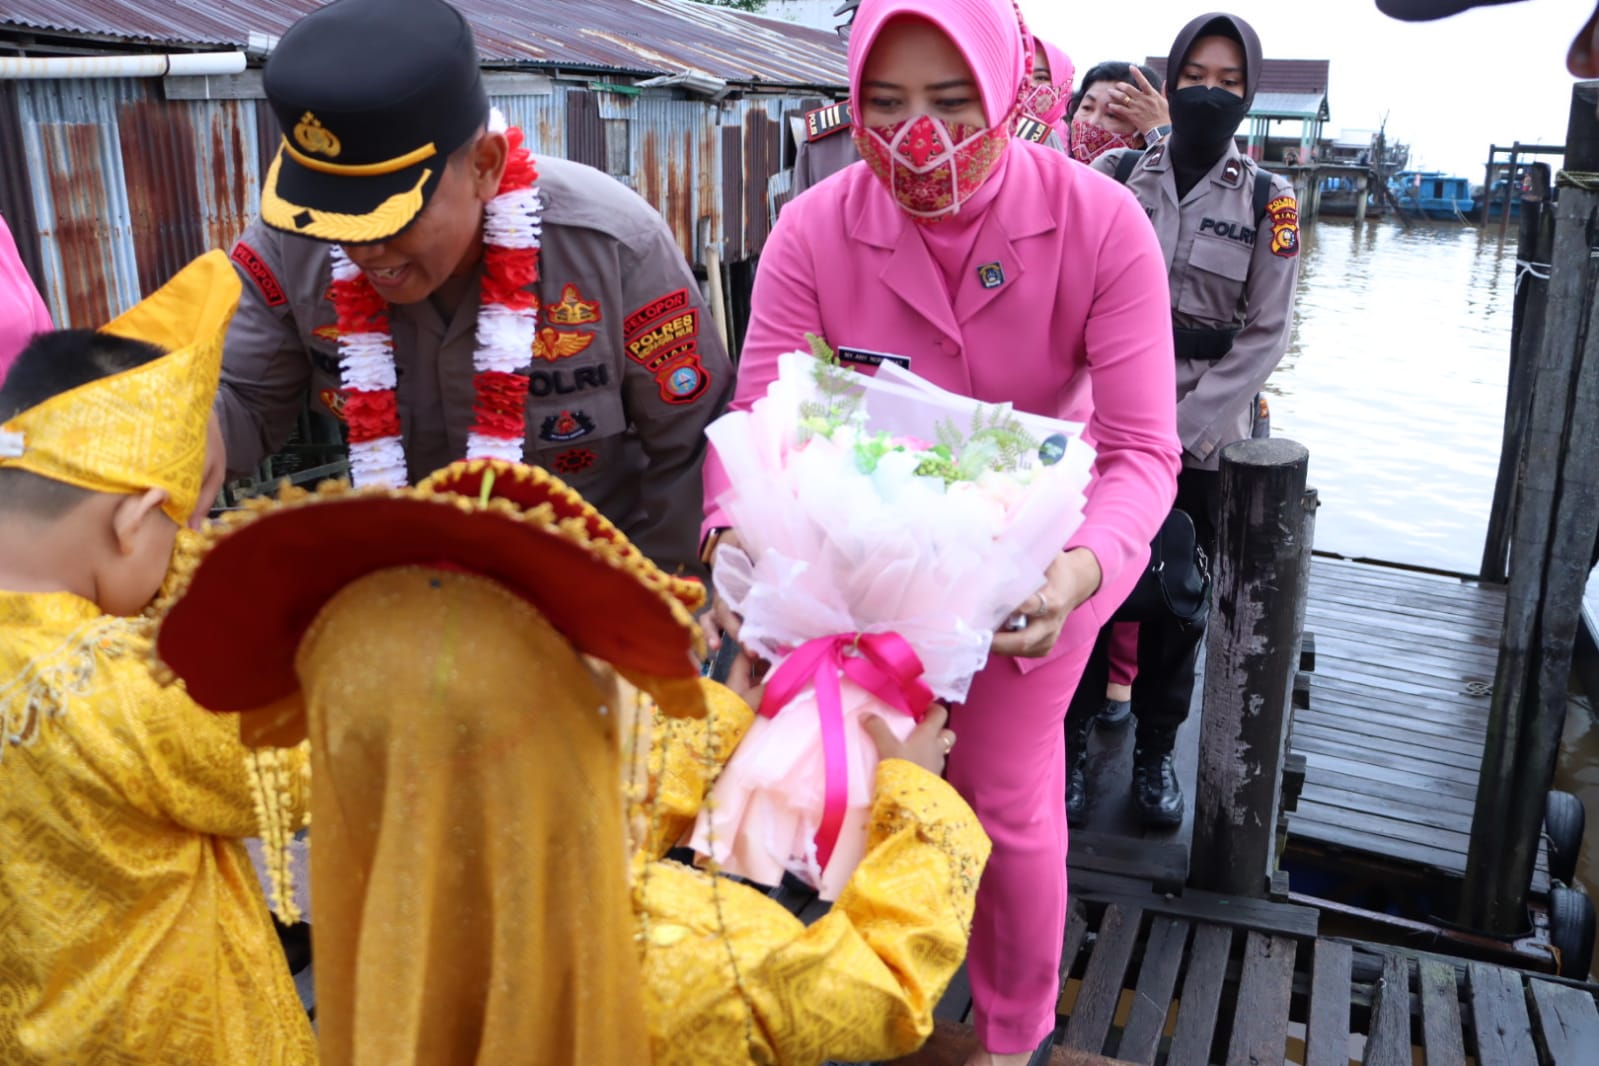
[1005,271]
[22,311]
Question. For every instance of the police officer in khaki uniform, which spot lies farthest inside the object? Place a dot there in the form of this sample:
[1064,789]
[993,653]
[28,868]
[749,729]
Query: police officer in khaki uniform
[1231,237]
[387,153]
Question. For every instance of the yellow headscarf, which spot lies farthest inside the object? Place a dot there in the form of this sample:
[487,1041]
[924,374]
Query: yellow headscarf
[143,428]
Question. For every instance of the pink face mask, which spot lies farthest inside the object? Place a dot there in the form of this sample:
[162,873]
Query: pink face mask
[931,167]
[1089,141]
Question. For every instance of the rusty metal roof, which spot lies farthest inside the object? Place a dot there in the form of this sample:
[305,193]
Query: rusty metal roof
[643,37]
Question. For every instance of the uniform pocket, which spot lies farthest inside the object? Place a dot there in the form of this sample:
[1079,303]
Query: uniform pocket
[1213,285]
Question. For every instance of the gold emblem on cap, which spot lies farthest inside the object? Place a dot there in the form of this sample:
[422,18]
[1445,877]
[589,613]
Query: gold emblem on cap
[314,138]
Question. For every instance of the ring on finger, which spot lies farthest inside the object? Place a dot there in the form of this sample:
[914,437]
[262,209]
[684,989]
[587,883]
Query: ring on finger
[949,741]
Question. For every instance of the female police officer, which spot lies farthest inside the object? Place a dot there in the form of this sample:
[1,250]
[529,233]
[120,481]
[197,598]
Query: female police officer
[1230,234]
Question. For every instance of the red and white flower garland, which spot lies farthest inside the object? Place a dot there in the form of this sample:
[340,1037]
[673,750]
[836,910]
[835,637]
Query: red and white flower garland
[507,323]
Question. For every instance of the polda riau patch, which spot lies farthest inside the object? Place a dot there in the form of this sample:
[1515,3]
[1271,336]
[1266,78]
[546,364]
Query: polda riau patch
[1284,214]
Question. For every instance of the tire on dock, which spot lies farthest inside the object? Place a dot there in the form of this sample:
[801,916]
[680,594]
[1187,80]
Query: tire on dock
[1564,821]
[1571,930]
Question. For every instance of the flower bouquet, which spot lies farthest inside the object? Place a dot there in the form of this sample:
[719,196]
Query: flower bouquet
[889,529]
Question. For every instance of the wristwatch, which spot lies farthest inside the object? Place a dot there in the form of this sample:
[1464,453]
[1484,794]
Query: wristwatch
[1154,134]
[713,537]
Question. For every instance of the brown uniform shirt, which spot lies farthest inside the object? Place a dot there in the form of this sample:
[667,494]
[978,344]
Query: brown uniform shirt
[627,371]
[1226,271]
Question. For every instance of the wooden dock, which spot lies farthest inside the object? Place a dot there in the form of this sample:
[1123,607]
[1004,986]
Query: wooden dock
[1203,979]
[1397,715]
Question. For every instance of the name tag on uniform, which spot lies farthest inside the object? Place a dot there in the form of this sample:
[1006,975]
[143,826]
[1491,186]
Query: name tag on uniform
[859,357]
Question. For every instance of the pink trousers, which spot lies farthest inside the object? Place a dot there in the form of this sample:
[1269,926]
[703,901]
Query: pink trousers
[1009,762]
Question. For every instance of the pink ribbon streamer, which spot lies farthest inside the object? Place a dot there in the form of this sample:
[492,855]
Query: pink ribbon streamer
[885,665]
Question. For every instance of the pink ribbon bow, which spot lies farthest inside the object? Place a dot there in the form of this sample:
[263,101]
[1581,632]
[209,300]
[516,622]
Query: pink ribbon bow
[885,665]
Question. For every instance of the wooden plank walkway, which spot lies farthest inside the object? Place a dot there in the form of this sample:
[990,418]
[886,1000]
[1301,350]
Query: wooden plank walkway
[1190,981]
[1398,714]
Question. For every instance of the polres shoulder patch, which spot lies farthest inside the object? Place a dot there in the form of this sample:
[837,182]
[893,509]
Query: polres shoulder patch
[256,269]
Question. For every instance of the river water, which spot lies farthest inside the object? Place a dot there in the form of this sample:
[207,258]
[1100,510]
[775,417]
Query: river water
[1395,381]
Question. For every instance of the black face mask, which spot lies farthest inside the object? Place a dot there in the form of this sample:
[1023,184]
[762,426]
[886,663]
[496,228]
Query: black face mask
[1204,120]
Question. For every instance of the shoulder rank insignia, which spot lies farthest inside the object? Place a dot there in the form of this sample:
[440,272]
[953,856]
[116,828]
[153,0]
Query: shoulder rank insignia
[1233,172]
[1153,157]
[826,121]
[1030,129]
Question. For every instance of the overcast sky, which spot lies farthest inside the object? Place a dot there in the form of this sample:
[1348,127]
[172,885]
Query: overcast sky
[1450,88]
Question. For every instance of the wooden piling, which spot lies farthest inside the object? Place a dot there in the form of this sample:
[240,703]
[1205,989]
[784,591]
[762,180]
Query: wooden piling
[1252,650]
[1362,183]
[1510,182]
[1555,528]
[1533,250]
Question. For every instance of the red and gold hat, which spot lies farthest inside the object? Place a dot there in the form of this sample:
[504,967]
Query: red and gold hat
[249,592]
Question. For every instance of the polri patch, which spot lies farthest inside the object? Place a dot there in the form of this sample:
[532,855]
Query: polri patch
[566,426]
[861,357]
[992,275]
[260,273]
[826,121]
[1030,129]
[542,383]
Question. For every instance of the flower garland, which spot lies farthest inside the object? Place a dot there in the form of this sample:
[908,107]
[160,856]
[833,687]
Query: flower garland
[507,323]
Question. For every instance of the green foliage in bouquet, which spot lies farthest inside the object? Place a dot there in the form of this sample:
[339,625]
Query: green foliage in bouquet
[997,441]
[841,399]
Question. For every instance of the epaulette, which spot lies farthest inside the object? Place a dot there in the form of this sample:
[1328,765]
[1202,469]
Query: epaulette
[1030,129]
[826,121]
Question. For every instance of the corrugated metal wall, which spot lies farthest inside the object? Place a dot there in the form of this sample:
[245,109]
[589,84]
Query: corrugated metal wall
[125,186]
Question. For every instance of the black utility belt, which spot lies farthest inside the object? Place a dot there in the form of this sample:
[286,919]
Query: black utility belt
[1205,345]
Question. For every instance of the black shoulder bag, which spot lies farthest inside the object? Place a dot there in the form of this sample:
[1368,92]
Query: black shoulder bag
[1176,583]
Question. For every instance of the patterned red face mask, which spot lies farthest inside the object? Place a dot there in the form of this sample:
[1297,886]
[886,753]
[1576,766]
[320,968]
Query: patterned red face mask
[1044,101]
[1089,141]
[931,167]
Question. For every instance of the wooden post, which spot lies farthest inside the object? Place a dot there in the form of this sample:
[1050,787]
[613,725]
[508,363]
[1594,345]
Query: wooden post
[1362,182]
[1533,250]
[1487,184]
[1252,651]
[1504,203]
[1555,530]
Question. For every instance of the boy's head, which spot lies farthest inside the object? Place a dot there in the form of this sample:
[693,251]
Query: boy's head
[102,442]
[123,541]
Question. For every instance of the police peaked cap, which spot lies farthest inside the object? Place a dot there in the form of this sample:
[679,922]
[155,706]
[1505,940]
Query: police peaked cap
[373,97]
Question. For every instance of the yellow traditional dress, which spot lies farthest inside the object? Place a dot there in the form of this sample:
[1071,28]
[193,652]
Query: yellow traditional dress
[492,797]
[132,928]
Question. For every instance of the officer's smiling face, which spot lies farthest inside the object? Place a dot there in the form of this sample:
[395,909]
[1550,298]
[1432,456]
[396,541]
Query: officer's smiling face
[446,238]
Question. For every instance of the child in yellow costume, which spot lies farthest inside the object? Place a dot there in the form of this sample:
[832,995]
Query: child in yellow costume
[132,928]
[471,659]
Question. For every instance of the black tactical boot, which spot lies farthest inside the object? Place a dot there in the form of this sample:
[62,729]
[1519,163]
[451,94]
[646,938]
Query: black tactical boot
[1157,797]
[1077,771]
[1116,716]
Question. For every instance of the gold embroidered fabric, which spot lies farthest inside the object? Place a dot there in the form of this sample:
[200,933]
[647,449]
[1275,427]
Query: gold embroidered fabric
[143,428]
[473,900]
[132,929]
[730,976]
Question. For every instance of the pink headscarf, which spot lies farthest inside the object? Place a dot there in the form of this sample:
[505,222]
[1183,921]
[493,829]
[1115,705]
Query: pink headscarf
[22,312]
[987,32]
[1061,74]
